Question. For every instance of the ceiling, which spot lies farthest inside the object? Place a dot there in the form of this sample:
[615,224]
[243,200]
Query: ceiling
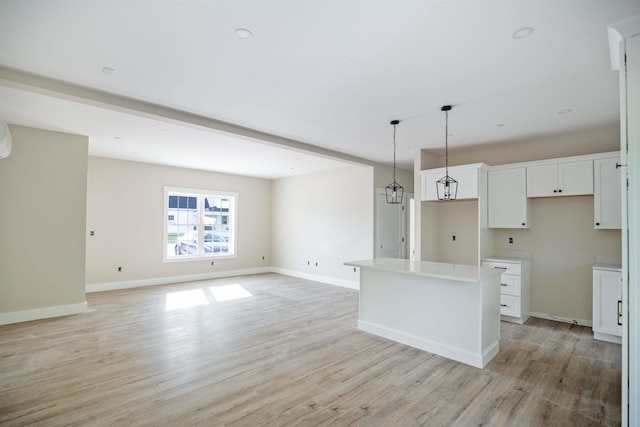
[319,76]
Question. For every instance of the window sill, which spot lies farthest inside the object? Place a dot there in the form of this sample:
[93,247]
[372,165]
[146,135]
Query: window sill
[196,258]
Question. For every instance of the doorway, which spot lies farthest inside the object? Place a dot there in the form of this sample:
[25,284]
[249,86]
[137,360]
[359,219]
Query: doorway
[392,226]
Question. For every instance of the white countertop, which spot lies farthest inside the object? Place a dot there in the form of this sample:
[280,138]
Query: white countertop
[609,267]
[457,272]
[506,259]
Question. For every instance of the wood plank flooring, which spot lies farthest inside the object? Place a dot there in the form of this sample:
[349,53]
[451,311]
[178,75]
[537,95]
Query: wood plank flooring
[289,355]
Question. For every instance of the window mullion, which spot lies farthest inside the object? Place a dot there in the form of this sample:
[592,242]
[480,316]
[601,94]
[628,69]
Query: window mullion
[200,225]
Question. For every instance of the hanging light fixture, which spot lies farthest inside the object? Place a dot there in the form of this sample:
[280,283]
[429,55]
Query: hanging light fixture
[447,187]
[394,190]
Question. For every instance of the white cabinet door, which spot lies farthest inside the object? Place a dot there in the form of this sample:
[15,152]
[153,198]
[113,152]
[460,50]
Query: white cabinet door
[510,284]
[467,177]
[429,180]
[508,204]
[467,182]
[575,178]
[542,181]
[560,179]
[510,305]
[607,293]
[606,195]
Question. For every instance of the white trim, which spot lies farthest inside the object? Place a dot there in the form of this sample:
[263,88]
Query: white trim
[233,197]
[606,155]
[111,286]
[617,31]
[42,313]
[351,284]
[580,322]
[201,191]
[607,337]
[457,354]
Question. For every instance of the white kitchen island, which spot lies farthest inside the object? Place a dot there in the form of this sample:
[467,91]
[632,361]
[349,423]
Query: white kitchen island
[448,309]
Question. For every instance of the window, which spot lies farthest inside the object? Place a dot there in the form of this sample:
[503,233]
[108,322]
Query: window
[199,224]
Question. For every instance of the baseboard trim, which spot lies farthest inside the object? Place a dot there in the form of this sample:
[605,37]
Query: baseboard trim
[581,322]
[127,284]
[478,360]
[607,337]
[318,278]
[42,313]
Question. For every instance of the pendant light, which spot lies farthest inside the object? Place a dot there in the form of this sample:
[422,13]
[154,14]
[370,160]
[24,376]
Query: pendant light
[446,187]
[394,190]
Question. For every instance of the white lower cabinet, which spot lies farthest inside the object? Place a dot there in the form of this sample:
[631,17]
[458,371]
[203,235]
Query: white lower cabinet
[515,288]
[607,303]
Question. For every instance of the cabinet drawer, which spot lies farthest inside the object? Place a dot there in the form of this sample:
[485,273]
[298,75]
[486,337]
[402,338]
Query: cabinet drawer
[508,267]
[510,305]
[510,284]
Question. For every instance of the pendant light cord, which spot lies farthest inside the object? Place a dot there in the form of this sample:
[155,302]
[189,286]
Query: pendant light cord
[394,153]
[446,142]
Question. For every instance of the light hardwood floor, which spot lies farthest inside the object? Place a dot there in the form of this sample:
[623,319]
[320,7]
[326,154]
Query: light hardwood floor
[288,355]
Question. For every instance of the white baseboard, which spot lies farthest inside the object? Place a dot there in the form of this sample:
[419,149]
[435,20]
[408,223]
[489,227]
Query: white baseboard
[580,322]
[42,313]
[111,286]
[616,339]
[479,360]
[352,284]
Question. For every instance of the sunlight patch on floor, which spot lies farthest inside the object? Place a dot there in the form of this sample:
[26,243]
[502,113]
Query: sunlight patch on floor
[229,292]
[185,299]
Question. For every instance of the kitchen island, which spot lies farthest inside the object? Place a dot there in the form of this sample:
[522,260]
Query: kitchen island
[448,309]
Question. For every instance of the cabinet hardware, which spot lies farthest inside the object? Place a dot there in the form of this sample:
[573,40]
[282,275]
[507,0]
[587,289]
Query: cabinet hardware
[523,224]
[619,312]
[555,191]
[503,284]
[501,268]
[597,223]
[504,305]
[559,191]
[619,165]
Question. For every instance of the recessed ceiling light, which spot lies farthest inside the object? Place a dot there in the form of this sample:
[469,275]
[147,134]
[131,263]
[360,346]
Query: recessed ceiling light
[242,33]
[108,71]
[521,33]
[565,111]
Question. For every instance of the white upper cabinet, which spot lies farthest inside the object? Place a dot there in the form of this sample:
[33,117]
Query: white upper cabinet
[508,204]
[560,179]
[467,176]
[607,192]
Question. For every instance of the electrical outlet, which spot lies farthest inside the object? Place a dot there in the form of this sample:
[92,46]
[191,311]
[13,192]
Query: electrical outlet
[211,262]
[91,233]
[263,258]
[510,239]
[316,264]
[453,238]
[119,268]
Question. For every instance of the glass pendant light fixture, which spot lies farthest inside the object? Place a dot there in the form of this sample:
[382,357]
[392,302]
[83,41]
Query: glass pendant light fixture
[394,190]
[446,187]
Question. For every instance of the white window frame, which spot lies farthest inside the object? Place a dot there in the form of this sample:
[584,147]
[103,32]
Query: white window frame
[201,194]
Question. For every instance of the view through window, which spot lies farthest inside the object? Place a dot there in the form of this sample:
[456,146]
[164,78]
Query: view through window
[199,223]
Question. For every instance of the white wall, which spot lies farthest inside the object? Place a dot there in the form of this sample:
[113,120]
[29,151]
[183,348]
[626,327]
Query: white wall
[43,188]
[125,210]
[324,218]
[562,240]
[564,245]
